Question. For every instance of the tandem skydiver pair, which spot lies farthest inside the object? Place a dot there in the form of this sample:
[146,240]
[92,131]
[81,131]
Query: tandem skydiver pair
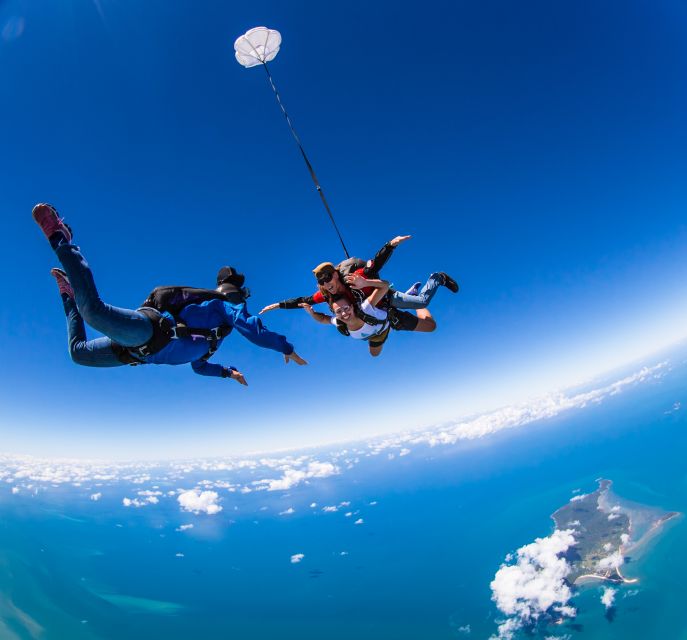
[364,306]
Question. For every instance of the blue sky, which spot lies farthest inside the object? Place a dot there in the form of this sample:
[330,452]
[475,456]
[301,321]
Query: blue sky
[534,151]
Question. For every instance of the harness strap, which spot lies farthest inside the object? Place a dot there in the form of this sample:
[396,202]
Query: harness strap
[166,330]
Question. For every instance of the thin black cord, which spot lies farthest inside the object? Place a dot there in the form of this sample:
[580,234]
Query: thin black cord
[305,157]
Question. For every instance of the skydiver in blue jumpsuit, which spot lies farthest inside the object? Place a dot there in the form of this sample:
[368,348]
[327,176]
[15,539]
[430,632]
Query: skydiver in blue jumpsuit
[133,336]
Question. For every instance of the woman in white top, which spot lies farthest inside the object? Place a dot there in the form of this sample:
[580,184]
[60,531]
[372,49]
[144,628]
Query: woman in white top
[367,321]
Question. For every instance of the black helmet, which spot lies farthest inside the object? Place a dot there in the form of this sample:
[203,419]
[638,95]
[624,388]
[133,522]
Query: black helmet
[229,275]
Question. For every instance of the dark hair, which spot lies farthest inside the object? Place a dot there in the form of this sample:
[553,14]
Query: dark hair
[339,296]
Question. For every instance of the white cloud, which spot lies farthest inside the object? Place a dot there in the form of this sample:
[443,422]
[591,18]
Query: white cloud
[297,557]
[287,512]
[613,561]
[535,585]
[184,527]
[579,497]
[330,509]
[137,502]
[15,490]
[608,597]
[359,521]
[293,476]
[198,501]
[96,496]
[179,555]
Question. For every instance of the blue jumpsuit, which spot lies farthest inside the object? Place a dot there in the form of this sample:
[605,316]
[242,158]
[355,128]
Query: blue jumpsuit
[131,328]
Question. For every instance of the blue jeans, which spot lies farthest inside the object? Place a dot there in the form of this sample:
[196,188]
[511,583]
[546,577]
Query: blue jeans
[124,326]
[401,300]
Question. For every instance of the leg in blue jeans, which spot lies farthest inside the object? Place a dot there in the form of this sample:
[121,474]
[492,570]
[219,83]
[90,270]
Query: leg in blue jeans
[401,300]
[124,326]
[90,353]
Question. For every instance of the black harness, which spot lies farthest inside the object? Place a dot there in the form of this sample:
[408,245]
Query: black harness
[173,300]
[358,299]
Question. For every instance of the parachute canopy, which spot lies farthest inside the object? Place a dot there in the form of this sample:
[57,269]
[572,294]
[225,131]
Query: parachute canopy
[257,46]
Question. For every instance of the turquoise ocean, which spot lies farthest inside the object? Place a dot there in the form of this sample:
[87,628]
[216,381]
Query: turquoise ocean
[432,529]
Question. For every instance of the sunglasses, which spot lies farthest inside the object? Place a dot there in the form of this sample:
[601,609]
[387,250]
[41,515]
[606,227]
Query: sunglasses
[341,310]
[324,279]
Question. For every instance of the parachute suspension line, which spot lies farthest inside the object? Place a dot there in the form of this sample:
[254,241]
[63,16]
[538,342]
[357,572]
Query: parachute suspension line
[305,158]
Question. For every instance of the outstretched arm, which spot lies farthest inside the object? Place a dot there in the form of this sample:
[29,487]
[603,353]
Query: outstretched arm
[294,303]
[322,318]
[205,368]
[252,328]
[375,265]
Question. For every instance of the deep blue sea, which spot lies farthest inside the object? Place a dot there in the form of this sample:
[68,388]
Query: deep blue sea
[436,526]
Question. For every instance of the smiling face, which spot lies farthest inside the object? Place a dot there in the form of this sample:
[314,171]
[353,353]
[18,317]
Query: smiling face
[343,309]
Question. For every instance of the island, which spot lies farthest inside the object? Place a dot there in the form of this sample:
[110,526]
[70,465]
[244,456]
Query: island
[605,530]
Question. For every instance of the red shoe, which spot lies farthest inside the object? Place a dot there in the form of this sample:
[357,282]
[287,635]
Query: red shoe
[50,222]
[62,282]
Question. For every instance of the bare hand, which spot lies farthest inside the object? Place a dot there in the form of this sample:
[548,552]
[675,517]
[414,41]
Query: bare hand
[239,377]
[295,357]
[398,239]
[270,307]
[355,280]
[306,307]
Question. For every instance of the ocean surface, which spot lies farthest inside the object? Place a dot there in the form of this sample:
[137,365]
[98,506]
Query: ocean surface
[406,550]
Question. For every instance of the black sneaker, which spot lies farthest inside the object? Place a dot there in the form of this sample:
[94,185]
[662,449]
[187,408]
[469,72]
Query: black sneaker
[449,282]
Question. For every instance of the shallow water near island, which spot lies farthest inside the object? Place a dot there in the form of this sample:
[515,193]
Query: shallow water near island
[436,525]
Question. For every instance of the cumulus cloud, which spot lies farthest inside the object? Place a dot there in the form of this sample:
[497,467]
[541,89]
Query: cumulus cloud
[608,597]
[96,496]
[293,475]
[287,512]
[184,527]
[359,521]
[138,502]
[613,561]
[297,557]
[535,585]
[198,501]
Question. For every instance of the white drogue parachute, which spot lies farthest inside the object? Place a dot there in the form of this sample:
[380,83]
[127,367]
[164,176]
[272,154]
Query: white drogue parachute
[257,46]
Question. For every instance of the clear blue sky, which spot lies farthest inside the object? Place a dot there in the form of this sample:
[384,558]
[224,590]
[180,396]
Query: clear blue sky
[536,151]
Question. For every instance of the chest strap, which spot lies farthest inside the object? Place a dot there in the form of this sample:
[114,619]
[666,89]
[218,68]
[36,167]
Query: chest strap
[166,330]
